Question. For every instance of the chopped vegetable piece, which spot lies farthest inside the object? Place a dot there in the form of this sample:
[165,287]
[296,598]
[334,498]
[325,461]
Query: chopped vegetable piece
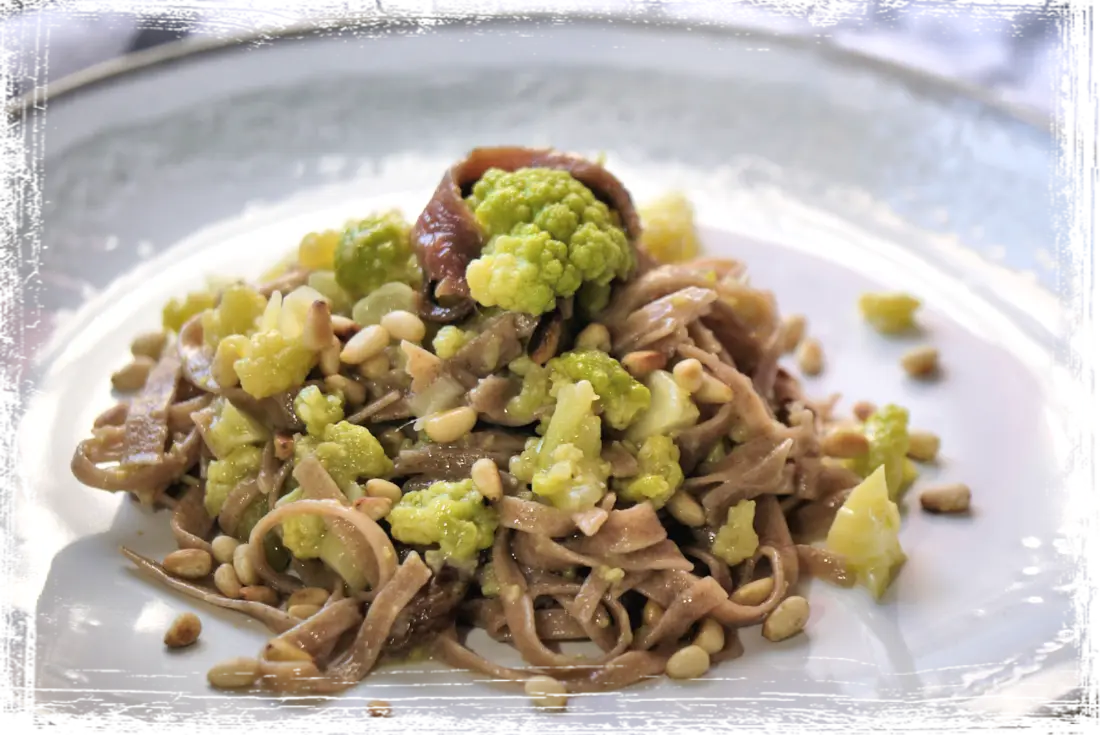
[324,282]
[317,251]
[865,533]
[659,473]
[622,398]
[232,428]
[736,539]
[450,514]
[449,340]
[370,309]
[317,410]
[222,475]
[375,251]
[236,313]
[888,433]
[889,313]
[670,411]
[349,453]
[176,313]
[669,229]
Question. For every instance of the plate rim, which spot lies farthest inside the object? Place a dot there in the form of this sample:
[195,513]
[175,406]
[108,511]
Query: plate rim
[380,19]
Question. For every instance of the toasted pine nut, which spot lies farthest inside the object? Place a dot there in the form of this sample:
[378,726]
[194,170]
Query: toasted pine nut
[753,593]
[256,593]
[355,393]
[278,649]
[236,673]
[317,331]
[329,358]
[242,565]
[403,325]
[641,363]
[690,662]
[184,631]
[223,547]
[379,708]
[375,368]
[787,619]
[711,637]
[713,390]
[794,329]
[651,613]
[284,446]
[845,443]
[923,446]
[374,508]
[133,376]
[343,327]
[686,509]
[950,498]
[308,596]
[150,344]
[486,479]
[379,488]
[303,611]
[688,374]
[862,410]
[365,344]
[921,362]
[188,563]
[225,579]
[810,356]
[450,426]
[594,337]
[546,692]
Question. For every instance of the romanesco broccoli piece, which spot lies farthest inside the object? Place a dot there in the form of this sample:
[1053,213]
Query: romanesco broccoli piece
[317,250]
[176,312]
[534,394]
[222,475]
[303,534]
[236,313]
[347,451]
[375,251]
[865,533]
[592,298]
[564,466]
[889,313]
[273,363]
[317,410]
[547,234]
[887,431]
[449,340]
[668,229]
[450,514]
[232,428]
[659,473]
[622,398]
[670,410]
[736,540]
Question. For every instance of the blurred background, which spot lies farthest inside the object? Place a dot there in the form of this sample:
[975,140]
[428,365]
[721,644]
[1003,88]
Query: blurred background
[1010,51]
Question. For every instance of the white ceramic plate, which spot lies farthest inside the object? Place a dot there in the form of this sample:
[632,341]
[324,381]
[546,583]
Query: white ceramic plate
[827,175]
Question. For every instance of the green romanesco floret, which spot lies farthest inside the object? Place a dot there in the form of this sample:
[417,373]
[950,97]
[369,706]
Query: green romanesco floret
[317,250]
[564,467]
[449,340]
[236,313]
[375,251]
[547,234]
[347,451]
[887,430]
[318,410]
[670,411]
[176,313]
[736,540]
[889,313]
[592,298]
[222,475]
[533,398]
[302,534]
[622,398]
[659,473]
[273,363]
[450,514]
[232,428]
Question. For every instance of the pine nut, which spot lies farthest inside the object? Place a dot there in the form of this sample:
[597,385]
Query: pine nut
[379,708]
[713,390]
[951,498]
[810,356]
[845,443]
[184,631]
[303,611]
[787,619]
[862,410]
[365,344]
[342,326]
[374,508]
[688,374]
[711,637]
[242,565]
[643,362]
[450,426]
[686,509]
[329,358]
[308,596]
[225,579]
[278,649]
[690,662]
[379,488]
[188,563]
[375,368]
[794,329]
[924,446]
[921,362]
[651,613]
[317,331]
[223,547]
[150,344]
[256,593]
[236,673]
[754,593]
[133,376]
[284,446]
[403,325]
[546,692]
[355,393]
[486,479]
[590,520]
[594,337]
